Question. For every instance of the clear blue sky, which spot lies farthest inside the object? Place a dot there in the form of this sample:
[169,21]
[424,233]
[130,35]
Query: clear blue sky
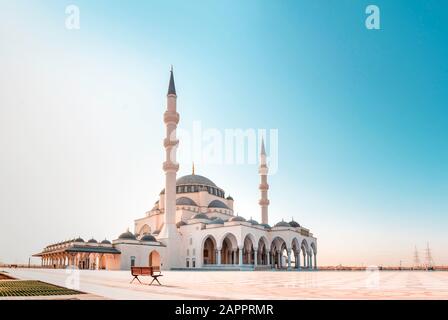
[362,116]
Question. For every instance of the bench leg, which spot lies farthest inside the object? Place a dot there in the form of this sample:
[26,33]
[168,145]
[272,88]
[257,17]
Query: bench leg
[155,279]
[136,277]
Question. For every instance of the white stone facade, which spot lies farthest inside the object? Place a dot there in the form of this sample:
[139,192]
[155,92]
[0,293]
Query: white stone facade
[193,226]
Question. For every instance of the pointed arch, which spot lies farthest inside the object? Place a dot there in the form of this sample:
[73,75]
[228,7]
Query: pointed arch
[208,250]
[228,244]
[313,247]
[263,251]
[249,246]
[154,259]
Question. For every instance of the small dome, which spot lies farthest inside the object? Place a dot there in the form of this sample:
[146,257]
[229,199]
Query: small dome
[282,224]
[127,236]
[294,224]
[200,216]
[79,239]
[237,218]
[180,224]
[148,237]
[265,225]
[184,201]
[229,198]
[218,204]
[217,221]
[92,241]
[251,221]
[105,241]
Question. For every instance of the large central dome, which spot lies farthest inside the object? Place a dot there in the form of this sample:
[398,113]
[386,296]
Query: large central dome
[197,183]
[195,179]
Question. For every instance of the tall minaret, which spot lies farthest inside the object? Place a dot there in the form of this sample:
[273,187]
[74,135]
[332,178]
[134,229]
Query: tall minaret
[263,171]
[170,166]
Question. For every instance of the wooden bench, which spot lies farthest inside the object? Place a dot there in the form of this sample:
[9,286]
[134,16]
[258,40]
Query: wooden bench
[153,272]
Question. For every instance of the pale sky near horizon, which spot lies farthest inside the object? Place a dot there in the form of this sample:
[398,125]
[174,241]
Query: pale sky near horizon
[361,116]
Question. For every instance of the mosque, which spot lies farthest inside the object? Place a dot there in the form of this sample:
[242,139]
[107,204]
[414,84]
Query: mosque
[193,226]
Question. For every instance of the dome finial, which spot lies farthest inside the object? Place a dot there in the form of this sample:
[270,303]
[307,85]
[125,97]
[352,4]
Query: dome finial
[192,169]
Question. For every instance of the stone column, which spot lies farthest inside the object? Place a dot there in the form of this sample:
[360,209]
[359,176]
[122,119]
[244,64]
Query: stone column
[269,258]
[240,251]
[289,258]
[219,256]
[255,256]
[315,261]
[298,261]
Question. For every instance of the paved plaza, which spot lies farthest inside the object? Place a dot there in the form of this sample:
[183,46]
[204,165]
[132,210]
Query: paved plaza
[251,285]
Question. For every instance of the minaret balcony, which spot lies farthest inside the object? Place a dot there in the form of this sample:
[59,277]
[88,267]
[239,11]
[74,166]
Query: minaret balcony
[171,117]
[263,202]
[263,186]
[167,142]
[170,166]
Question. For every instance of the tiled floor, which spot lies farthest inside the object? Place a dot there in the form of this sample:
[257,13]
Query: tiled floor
[252,285]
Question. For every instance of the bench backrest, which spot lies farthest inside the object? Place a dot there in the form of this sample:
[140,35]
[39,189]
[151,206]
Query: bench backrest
[155,268]
[144,271]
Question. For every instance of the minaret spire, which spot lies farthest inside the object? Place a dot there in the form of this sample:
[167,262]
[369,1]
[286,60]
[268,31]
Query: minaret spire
[170,166]
[263,150]
[264,187]
[171,87]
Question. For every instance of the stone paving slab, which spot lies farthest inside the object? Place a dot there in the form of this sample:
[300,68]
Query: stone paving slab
[185,285]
